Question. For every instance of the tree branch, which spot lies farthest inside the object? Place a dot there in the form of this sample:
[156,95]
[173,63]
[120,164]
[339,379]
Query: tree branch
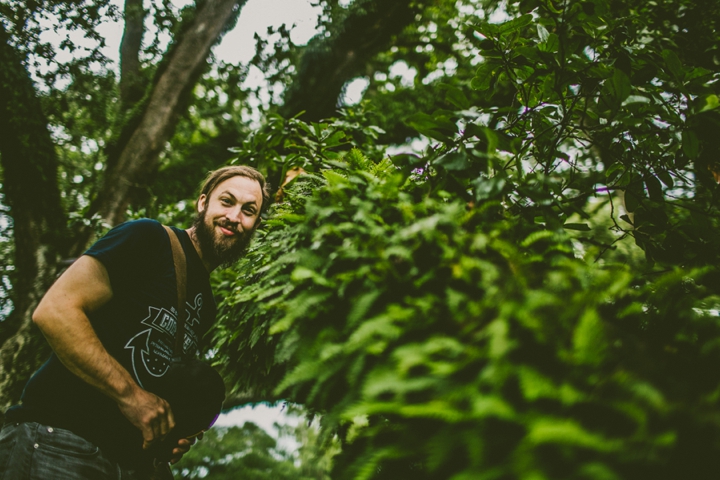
[329,62]
[131,85]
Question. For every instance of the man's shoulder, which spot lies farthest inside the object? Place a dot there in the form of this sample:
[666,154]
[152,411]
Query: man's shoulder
[141,225]
[143,228]
[135,236]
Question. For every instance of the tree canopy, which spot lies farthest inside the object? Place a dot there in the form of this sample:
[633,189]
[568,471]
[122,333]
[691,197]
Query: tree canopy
[531,294]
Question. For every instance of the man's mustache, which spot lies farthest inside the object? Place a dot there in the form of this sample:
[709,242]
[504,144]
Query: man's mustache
[232,226]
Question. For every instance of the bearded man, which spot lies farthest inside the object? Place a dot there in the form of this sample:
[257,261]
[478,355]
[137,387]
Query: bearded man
[90,412]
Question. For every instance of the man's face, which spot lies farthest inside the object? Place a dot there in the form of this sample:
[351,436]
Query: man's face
[227,219]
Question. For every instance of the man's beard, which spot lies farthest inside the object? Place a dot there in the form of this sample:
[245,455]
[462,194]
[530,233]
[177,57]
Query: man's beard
[222,252]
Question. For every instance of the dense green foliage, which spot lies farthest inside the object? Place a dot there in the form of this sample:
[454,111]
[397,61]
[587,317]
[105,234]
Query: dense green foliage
[476,311]
[443,340]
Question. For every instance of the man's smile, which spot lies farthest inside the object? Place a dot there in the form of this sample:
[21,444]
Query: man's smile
[226,231]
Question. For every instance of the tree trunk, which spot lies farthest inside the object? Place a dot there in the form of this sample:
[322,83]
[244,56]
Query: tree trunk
[30,186]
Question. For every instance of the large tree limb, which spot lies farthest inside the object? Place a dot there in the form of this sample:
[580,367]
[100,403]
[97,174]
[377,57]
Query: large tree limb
[131,85]
[329,62]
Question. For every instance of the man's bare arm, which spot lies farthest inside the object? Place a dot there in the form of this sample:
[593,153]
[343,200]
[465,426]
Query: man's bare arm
[62,316]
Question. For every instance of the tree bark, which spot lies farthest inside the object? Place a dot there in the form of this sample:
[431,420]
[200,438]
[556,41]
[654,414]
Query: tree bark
[131,84]
[30,186]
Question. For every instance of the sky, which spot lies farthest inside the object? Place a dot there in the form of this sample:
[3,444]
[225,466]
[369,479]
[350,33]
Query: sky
[265,417]
[238,45]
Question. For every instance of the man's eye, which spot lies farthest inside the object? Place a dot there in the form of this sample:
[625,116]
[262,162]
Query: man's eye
[225,201]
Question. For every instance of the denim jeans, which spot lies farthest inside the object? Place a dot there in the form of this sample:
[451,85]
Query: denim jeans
[31,451]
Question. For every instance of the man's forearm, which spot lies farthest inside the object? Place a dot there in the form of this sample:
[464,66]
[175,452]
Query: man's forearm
[75,343]
[62,316]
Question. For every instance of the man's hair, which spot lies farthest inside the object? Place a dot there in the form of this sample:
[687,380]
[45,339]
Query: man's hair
[218,176]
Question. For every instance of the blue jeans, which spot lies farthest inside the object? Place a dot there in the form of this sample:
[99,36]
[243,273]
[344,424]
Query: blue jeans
[31,451]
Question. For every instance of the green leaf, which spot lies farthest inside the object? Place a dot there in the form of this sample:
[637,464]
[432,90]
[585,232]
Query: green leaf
[483,76]
[535,385]
[531,53]
[690,144]
[536,236]
[456,96]
[487,29]
[615,169]
[488,187]
[654,188]
[362,306]
[334,179]
[568,432]
[635,99]
[491,406]
[673,63]
[438,128]
[589,338]
[488,138]
[632,201]
[551,45]
[453,161]
[543,34]
[335,139]
[621,85]
[665,177]
[515,24]
[523,72]
[711,103]
[634,194]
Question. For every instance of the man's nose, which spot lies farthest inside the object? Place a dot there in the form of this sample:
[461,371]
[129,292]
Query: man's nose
[234,215]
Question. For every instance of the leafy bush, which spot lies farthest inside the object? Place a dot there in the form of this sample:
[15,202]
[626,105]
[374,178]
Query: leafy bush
[448,342]
[436,308]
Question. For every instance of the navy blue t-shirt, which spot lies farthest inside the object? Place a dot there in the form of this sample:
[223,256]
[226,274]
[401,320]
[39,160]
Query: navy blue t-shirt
[137,327]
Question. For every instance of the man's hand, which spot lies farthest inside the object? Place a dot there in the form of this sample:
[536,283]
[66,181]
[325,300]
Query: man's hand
[149,413]
[183,447]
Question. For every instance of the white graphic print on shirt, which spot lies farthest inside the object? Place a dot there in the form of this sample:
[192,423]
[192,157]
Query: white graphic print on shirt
[151,353]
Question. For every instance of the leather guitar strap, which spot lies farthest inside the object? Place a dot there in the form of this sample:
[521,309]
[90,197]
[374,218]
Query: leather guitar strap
[181,280]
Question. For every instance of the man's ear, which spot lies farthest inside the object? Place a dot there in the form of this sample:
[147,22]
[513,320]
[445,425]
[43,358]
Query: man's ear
[201,203]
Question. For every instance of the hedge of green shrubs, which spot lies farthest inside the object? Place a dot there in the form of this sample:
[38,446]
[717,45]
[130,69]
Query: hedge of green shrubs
[442,340]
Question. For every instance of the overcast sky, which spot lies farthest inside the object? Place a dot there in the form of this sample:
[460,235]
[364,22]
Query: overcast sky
[256,16]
